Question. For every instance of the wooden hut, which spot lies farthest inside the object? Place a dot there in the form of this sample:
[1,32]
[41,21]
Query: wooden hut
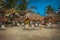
[2,15]
[52,18]
[34,17]
[13,16]
[3,19]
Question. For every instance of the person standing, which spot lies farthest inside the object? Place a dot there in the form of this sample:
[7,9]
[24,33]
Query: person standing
[33,26]
[40,26]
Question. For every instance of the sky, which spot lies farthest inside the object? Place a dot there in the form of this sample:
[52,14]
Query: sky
[42,4]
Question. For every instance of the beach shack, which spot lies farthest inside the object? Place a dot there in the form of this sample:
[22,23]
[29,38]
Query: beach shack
[33,18]
[13,17]
[3,19]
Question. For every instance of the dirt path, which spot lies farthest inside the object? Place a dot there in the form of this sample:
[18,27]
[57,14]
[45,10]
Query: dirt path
[17,33]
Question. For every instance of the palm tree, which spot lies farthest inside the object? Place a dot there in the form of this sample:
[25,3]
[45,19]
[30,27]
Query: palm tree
[49,12]
[49,9]
[9,4]
[14,4]
[23,5]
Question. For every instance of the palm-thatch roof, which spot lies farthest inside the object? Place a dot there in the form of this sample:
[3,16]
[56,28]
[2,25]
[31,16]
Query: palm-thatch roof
[33,16]
[14,13]
[53,17]
[17,18]
[3,19]
[11,11]
[56,18]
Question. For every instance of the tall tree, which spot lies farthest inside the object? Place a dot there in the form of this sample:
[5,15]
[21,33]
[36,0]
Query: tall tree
[49,9]
[23,5]
[9,4]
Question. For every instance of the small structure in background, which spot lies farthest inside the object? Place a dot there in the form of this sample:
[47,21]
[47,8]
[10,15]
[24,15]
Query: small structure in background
[34,19]
[13,17]
[3,19]
[52,18]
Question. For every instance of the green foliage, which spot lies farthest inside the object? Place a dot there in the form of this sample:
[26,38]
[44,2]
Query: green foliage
[23,5]
[9,4]
[49,9]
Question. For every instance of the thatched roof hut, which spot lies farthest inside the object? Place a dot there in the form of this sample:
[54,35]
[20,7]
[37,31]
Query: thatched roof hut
[2,15]
[14,14]
[56,18]
[11,11]
[3,19]
[17,18]
[52,18]
[33,16]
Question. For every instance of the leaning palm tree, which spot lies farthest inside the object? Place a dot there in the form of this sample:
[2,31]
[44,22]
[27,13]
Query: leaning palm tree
[13,4]
[9,4]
